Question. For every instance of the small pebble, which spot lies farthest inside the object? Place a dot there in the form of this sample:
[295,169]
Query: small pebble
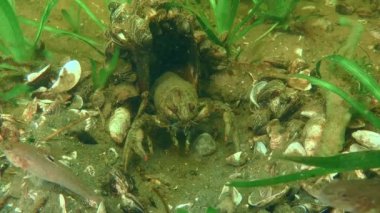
[204,144]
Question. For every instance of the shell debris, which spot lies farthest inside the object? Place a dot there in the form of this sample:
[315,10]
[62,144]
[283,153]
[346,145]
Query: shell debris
[119,124]
[68,77]
[367,138]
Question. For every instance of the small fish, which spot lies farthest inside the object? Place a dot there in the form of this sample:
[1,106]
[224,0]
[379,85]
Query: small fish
[30,159]
[352,195]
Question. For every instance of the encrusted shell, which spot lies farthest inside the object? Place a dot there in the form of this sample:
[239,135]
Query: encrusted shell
[261,197]
[300,83]
[367,138]
[237,159]
[277,134]
[128,28]
[119,124]
[313,133]
[68,77]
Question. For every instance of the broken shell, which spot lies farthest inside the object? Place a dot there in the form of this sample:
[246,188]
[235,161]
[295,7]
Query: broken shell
[356,123]
[261,148]
[39,78]
[297,65]
[255,89]
[123,187]
[285,103]
[271,90]
[68,77]
[232,193]
[300,83]
[237,159]
[295,148]
[262,197]
[183,207]
[367,138]
[357,148]
[76,102]
[119,124]
[101,208]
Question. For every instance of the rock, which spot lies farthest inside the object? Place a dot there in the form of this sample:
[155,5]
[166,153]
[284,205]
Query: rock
[204,144]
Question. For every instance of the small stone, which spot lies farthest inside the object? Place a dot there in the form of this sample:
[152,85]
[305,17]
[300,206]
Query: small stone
[204,144]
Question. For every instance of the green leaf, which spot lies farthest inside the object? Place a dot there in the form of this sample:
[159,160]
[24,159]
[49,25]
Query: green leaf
[359,73]
[212,210]
[56,31]
[333,164]
[12,37]
[225,14]
[70,20]
[348,161]
[102,26]
[16,91]
[283,178]
[100,77]
[358,106]
[43,20]
[279,10]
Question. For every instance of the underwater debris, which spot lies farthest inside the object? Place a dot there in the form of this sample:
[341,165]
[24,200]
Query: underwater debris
[119,124]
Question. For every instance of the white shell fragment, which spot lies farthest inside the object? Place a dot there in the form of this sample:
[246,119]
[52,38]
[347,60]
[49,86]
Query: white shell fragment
[357,148]
[62,203]
[119,124]
[101,208]
[183,206]
[255,90]
[313,133]
[295,148]
[367,138]
[232,193]
[237,159]
[261,148]
[68,77]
